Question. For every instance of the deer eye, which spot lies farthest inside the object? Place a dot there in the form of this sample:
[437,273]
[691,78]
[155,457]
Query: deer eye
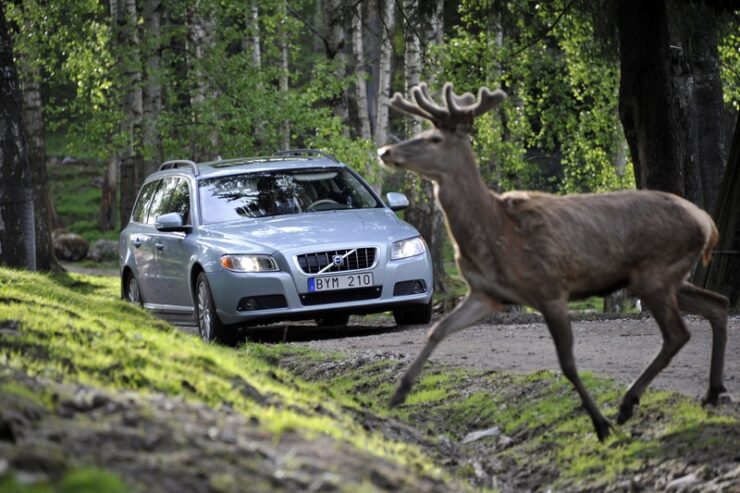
[435,139]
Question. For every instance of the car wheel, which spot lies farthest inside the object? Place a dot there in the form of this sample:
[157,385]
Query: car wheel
[210,327]
[413,314]
[332,320]
[132,293]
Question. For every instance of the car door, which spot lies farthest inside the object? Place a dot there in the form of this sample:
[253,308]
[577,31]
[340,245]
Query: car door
[152,243]
[173,250]
[140,241]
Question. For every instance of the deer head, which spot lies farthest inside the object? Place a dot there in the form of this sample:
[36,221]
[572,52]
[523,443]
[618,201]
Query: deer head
[429,153]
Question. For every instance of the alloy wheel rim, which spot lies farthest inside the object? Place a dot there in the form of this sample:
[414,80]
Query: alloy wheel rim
[133,290]
[204,312]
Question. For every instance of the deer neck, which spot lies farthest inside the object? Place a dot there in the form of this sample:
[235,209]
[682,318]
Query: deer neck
[466,200]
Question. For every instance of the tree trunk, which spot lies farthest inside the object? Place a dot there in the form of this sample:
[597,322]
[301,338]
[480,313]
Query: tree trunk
[335,20]
[723,274]
[423,212]
[131,165]
[388,15]
[284,75]
[251,44]
[33,123]
[670,97]
[152,91]
[17,235]
[201,28]
[360,73]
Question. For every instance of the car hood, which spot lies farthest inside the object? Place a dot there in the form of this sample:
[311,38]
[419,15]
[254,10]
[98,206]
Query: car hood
[295,232]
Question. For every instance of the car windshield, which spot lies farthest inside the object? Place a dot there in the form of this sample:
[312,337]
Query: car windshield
[280,192]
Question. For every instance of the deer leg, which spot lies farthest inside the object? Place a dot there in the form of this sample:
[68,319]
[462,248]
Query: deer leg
[562,334]
[713,307]
[472,309]
[675,335]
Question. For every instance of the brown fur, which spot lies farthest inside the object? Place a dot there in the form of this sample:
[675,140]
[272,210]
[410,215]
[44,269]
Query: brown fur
[542,250]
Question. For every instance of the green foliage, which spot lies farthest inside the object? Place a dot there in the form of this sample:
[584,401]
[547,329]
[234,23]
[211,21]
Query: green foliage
[559,130]
[729,52]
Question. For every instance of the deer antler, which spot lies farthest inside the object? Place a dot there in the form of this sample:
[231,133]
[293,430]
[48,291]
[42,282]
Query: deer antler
[458,112]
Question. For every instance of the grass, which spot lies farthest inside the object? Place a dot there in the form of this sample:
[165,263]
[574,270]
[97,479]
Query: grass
[77,198]
[542,414]
[73,328]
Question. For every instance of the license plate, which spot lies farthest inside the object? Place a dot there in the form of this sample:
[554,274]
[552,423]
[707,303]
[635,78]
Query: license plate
[330,283]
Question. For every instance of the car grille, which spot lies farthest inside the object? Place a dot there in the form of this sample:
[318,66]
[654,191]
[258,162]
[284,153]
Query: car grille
[358,259]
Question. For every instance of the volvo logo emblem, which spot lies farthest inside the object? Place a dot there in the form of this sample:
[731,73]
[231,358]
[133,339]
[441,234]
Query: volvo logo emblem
[337,260]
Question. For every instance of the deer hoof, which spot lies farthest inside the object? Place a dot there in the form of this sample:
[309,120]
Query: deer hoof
[625,410]
[603,429]
[400,396]
[712,397]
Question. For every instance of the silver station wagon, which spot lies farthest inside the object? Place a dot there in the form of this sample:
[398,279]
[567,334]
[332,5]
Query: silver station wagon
[298,235]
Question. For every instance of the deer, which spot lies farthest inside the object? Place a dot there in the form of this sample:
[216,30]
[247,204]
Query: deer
[541,250]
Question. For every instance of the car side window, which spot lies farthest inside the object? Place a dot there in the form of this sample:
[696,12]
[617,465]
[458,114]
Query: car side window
[180,201]
[161,199]
[142,203]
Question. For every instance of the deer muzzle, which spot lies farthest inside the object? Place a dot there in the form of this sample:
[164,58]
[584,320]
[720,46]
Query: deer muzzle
[385,154]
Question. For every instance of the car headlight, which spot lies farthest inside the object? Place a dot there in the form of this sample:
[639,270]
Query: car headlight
[408,248]
[249,263]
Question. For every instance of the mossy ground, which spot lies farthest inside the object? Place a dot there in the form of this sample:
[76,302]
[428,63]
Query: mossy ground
[545,438]
[301,416]
[73,330]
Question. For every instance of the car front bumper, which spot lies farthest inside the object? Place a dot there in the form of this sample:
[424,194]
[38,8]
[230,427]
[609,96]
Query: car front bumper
[284,295]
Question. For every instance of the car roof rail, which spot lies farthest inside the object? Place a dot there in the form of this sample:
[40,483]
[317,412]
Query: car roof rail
[305,152]
[180,163]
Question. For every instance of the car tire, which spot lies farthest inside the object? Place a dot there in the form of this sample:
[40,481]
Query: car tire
[131,290]
[413,314]
[210,327]
[340,320]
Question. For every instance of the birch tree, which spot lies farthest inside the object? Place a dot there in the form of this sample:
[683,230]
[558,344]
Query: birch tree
[388,15]
[358,53]
[129,160]
[152,89]
[423,212]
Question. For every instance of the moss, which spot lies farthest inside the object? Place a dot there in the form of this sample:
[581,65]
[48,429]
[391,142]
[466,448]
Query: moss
[75,328]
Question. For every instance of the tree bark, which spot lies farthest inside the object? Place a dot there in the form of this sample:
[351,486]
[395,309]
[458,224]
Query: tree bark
[423,212]
[723,274]
[284,75]
[360,73]
[387,27]
[131,166]
[335,51]
[201,27]
[152,90]
[670,97]
[33,123]
[17,235]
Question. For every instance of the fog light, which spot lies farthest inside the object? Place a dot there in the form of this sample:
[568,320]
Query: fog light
[418,288]
[250,304]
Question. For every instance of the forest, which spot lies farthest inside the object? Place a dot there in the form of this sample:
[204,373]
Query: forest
[603,95]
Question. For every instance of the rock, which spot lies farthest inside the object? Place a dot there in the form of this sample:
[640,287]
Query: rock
[683,483]
[4,466]
[97,181]
[477,435]
[69,246]
[103,250]
[69,160]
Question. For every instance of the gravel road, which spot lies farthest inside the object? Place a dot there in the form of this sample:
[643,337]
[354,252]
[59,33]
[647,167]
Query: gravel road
[619,349]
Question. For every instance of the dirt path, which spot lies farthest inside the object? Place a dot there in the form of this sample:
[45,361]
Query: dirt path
[619,349]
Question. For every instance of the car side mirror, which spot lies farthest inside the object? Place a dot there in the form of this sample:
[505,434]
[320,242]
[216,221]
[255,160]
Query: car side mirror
[396,201]
[171,222]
